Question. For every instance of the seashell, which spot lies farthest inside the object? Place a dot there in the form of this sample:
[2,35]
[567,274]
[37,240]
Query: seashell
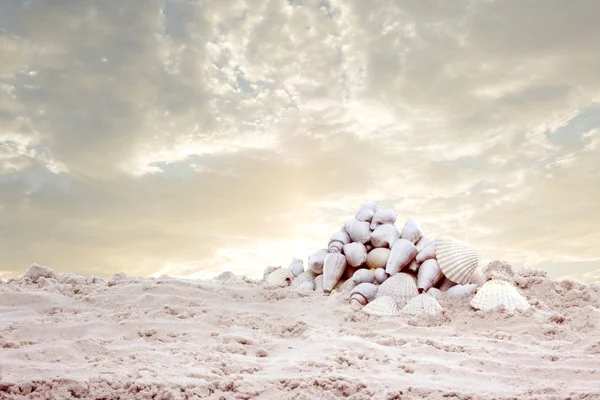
[333,269]
[337,242]
[385,235]
[413,266]
[347,286]
[477,278]
[401,255]
[363,275]
[358,231]
[428,252]
[383,306]
[335,246]
[383,217]
[499,270]
[370,206]
[365,214]
[356,254]
[367,290]
[296,266]
[357,298]
[498,293]
[411,231]
[429,274]
[380,275]
[378,258]
[401,287]
[315,261]
[456,259]
[461,291]
[435,292]
[281,277]
[319,284]
[306,276]
[423,304]
[445,284]
[424,241]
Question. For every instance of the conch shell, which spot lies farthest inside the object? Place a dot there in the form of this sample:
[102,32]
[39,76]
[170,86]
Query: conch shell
[337,241]
[385,235]
[356,254]
[411,231]
[429,274]
[333,268]
[366,211]
[401,255]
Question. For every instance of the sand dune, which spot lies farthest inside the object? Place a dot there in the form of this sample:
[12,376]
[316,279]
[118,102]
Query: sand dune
[232,338]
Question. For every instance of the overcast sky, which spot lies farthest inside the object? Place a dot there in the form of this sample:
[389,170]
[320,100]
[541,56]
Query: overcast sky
[193,137]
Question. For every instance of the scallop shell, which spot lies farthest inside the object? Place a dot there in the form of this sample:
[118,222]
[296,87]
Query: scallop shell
[498,293]
[385,235]
[461,291]
[363,275]
[359,231]
[383,306]
[426,253]
[423,304]
[281,277]
[456,259]
[445,284]
[319,284]
[411,231]
[296,266]
[401,287]
[378,258]
[383,217]
[429,274]
[333,269]
[380,275]
[401,255]
[356,254]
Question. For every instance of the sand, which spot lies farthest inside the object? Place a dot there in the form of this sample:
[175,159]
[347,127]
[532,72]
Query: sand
[68,336]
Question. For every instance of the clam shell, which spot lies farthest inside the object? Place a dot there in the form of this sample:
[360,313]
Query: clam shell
[281,277]
[498,293]
[315,261]
[359,231]
[426,253]
[445,284]
[356,254]
[378,258]
[383,306]
[401,255]
[383,217]
[296,266]
[401,287]
[363,275]
[319,284]
[380,275]
[411,231]
[333,269]
[385,235]
[423,304]
[429,274]
[456,259]
[367,290]
[424,241]
[461,291]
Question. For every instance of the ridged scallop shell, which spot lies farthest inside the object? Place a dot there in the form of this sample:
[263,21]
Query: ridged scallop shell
[319,284]
[401,255]
[383,217]
[356,254]
[498,293]
[401,287]
[445,284]
[385,235]
[380,275]
[423,304]
[411,231]
[296,266]
[429,274]
[427,252]
[358,231]
[363,276]
[383,306]
[315,261]
[461,291]
[378,258]
[456,259]
[281,277]
[333,269]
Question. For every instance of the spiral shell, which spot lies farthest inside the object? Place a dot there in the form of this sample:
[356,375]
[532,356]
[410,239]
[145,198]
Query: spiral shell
[497,293]
[356,254]
[423,304]
[456,259]
[401,255]
[383,306]
[315,261]
[367,290]
[411,231]
[333,269]
[385,235]
[429,274]
[383,217]
[378,258]
[401,287]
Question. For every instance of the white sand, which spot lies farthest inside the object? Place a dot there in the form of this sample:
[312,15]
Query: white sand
[166,338]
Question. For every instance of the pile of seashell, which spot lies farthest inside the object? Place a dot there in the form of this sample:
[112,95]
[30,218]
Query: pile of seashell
[389,271]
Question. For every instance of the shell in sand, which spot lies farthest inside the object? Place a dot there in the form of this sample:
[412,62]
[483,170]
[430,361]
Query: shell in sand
[385,235]
[456,259]
[401,287]
[435,292]
[383,306]
[411,231]
[401,255]
[363,276]
[356,254]
[498,293]
[498,269]
[378,258]
[333,269]
[366,290]
[423,304]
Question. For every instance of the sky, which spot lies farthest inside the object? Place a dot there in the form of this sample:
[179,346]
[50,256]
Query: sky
[192,137]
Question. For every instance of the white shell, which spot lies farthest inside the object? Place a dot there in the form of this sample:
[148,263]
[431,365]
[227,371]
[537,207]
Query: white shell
[385,235]
[363,275]
[435,292]
[356,254]
[461,291]
[427,252]
[333,268]
[304,281]
[401,255]
[383,217]
[366,208]
[365,214]
[445,284]
[429,274]
[315,261]
[456,259]
[357,298]
[478,278]
[280,277]
[378,258]
[359,231]
[424,241]
[423,304]
[401,287]
[411,231]
[319,284]
[380,275]
[367,290]
[335,246]
[384,306]
[296,266]
[498,293]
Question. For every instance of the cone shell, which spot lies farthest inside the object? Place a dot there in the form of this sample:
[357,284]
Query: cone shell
[423,304]
[445,284]
[367,290]
[401,287]
[378,258]
[461,291]
[363,276]
[315,261]
[383,217]
[281,277]
[424,241]
[456,259]
[380,275]
[498,293]
[401,255]
[385,235]
[383,306]
[333,269]
[319,284]
[356,254]
[426,253]
[429,274]
[359,231]
[411,231]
